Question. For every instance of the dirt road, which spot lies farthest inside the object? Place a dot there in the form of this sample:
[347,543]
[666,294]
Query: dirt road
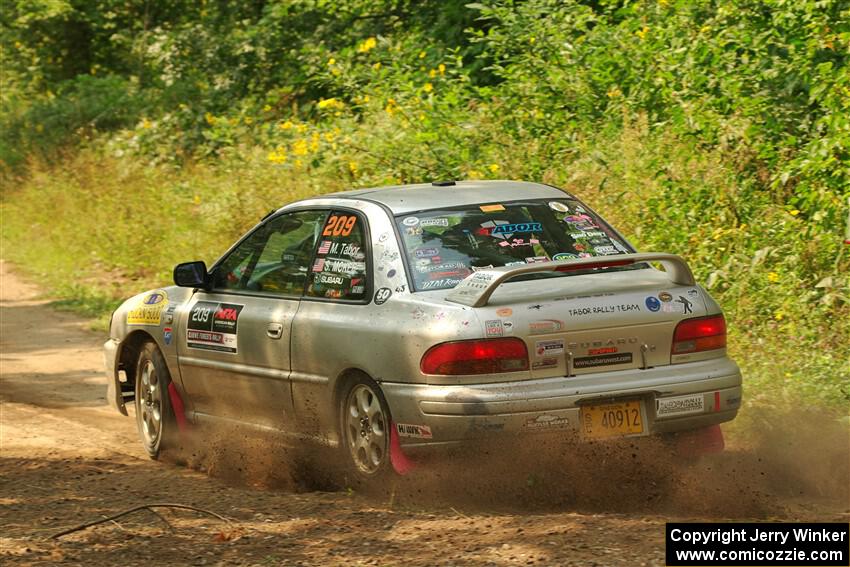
[66,458]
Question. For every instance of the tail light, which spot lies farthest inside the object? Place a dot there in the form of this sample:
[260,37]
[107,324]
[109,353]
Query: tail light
[699,334]
[486,356]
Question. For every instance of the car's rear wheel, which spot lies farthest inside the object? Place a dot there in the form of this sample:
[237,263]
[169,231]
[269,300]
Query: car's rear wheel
[154,415]
[365,421]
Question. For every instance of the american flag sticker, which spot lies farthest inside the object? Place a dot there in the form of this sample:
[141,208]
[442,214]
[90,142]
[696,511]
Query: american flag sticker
[324,247]
[319,265]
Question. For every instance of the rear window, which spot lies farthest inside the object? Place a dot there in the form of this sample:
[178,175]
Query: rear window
[444,246]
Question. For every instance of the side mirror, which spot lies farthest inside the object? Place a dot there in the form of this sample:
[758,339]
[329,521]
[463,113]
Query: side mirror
[191,274]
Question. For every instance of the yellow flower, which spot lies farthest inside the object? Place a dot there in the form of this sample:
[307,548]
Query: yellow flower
[493,167]
[299,148]
[298,163]
[352,167]
[367,45]
[301,128]
[432,73]
[277,156]
[285,125]
[794,212]
[614,92]
[248,120]
[331,62]
[642,33]
[196,199]
[773,277]
[391,106]
[146,123]
[330,103]
[209,118]
[267,108]
[442,69]
[421,55]
[532,39]
[314,142]
[779,315]
[376,66]
[427,87]
[473,174]
[329,136]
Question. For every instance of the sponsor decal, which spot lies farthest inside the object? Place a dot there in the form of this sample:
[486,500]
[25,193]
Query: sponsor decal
[516,242]
[549,348]
[410,221]
[493,328]
[324,247]
[476,268]
[148,311]
[382,295]
[581,221]
[491,208]
[559,206]
[340,266]
[411,430]
[545,326]
[588,234]
[548,362]
[599,309]
[213,326]
[504,229]
[167,335]
[546,421]
[504,312]
[680,405]
[693,293]
[330,279]
[508,326]
[426,252]
[665,296]
[564,256]
[519,263]
[391,273]
[537,259]
[603,350]
[602,360]
[653,304]
[686,304]
[384,236]
[606,250]
[439,284]
[357,289]
[439,221]
[168,315]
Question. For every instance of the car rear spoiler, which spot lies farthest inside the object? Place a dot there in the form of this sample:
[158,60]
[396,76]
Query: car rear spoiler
[476,289]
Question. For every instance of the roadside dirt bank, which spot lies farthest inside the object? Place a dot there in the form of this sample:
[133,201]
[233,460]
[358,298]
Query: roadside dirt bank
[66,458]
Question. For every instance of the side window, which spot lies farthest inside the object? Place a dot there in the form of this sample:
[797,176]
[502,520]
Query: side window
[339,268]
[275,258]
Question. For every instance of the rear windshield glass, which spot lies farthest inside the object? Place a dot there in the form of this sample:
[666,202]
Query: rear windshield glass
[444,246]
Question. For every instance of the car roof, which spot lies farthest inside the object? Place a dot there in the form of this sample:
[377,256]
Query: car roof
[402,199]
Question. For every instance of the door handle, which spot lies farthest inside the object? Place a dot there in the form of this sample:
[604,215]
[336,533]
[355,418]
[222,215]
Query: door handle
[274,330]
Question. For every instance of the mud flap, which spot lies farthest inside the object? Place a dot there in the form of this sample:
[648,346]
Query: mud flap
[179,409]
[402,465]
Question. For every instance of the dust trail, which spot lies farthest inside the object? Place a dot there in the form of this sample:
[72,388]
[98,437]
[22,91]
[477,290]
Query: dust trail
[779,464]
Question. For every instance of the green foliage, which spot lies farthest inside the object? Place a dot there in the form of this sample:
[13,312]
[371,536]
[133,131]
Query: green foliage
[716,130]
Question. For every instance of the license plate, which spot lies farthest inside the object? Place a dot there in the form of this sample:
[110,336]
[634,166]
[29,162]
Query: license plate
[612,420]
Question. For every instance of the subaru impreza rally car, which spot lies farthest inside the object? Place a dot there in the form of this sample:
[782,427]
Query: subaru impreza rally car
[410,318]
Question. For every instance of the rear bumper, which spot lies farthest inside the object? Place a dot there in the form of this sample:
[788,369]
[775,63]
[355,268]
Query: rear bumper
[454,414]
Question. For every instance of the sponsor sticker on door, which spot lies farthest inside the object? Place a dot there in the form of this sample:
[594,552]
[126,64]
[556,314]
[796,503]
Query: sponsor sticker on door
[213,326]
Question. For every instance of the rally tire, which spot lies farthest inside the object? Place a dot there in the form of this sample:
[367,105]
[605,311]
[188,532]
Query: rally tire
[154,415]
[365,423]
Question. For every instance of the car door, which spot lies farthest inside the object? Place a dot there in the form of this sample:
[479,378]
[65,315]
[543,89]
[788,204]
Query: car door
[234,340]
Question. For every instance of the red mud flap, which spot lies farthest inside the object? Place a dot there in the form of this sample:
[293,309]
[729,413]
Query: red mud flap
[705,441]
[179,409]
[401,464]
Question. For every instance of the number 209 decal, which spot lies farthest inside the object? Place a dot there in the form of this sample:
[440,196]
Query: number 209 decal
[340,225]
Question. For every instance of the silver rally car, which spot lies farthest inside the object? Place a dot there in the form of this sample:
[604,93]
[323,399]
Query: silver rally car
[392,320]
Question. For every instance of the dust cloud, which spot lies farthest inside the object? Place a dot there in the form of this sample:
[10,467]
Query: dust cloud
[777,464]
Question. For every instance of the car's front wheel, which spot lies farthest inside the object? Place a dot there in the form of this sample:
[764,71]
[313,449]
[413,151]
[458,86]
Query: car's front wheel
[154,416]
[366,429]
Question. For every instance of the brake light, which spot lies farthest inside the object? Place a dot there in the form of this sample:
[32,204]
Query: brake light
[485,356]
[699,334]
